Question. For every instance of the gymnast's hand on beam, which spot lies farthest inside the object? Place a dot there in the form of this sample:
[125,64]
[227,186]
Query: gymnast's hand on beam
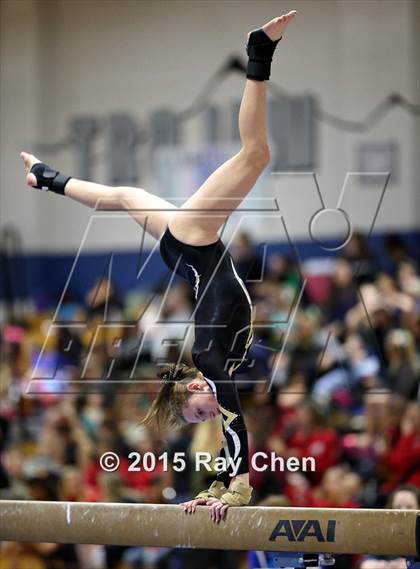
[191,505]
[218,509]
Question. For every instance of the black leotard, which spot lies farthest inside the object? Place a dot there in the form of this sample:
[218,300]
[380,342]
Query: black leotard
[223,330]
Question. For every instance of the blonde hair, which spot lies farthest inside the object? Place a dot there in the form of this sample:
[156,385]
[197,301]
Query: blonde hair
[166,409]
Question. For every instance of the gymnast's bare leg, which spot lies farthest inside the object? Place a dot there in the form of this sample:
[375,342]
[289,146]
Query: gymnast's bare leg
[150,211]
[223,190]
[232,181]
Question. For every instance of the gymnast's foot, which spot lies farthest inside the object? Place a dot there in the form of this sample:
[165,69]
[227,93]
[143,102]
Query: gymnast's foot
[262,44]
[29,160]
[41,176]
[275,27]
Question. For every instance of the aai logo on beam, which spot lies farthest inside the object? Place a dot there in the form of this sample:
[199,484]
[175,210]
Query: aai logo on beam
[300,530]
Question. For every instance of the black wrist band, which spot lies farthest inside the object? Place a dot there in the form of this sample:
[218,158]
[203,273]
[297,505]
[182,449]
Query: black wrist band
[49,179]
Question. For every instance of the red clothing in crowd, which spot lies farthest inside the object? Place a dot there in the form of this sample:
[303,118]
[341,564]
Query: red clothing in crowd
[286,420]
[325,503]
[139,480]
[301,496]
[323,445]
[403,461]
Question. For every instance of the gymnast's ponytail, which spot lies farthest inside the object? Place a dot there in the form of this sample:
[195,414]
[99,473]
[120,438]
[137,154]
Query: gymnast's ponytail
[166,409]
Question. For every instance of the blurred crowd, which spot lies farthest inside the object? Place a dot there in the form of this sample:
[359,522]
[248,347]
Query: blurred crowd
[333,374]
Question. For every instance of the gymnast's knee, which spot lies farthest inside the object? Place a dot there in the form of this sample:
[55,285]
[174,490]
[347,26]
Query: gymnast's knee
[257,154]
[129,196]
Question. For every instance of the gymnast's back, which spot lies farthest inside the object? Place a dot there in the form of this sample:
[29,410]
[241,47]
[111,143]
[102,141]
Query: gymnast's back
[222,315]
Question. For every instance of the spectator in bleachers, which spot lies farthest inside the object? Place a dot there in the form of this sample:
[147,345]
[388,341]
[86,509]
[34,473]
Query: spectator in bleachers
[396,249]
[403,363]
[339,488]
[402,456]
[247,261]
[404,497]
[310,436]
[343,294]
[359,255]
[306,345]
[103,298]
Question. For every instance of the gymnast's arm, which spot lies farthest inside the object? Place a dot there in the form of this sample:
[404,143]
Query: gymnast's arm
[234,428]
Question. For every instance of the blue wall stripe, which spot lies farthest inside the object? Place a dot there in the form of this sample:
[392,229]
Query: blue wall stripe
[44,275]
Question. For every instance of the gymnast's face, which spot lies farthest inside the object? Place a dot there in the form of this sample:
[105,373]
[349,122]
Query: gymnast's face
[202,404]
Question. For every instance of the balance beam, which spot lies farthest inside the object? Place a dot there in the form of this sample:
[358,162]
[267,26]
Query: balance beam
[312,530]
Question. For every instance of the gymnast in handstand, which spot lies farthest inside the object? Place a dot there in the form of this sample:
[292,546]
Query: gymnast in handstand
[190,245]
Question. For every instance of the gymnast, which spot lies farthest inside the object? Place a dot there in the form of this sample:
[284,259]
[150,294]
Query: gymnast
[191,246]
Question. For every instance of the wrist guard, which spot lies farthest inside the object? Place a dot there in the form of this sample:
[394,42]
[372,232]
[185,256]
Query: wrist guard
[239,494]
[216,490]
[49,179]
[260,49]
